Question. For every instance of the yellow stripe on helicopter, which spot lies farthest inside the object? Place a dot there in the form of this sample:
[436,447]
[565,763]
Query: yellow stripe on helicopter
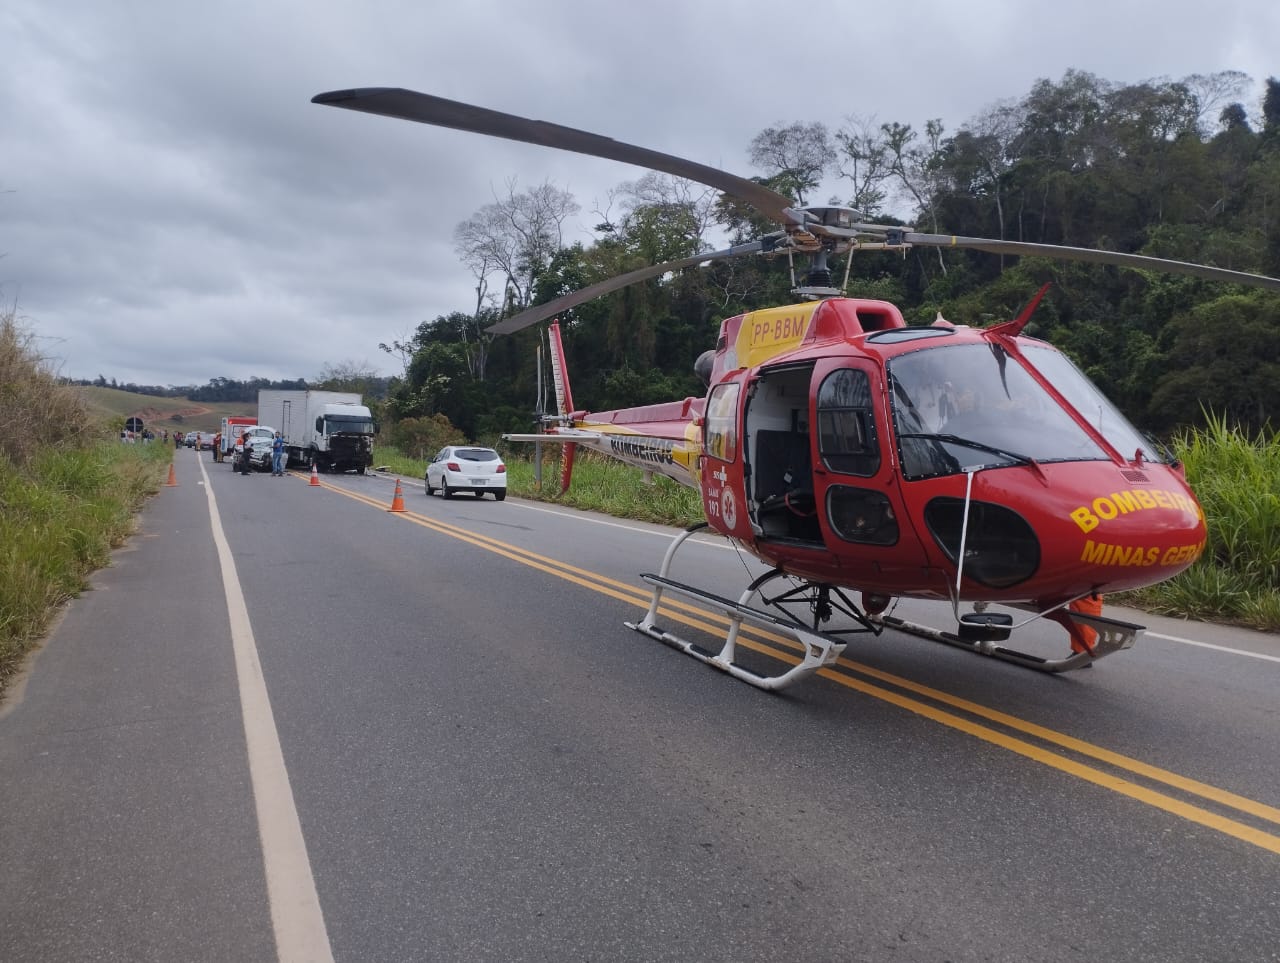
[764,334]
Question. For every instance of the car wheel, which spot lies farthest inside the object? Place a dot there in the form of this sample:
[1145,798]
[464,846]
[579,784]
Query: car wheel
[478,494]
[445,490]
[499,496]
[427,479]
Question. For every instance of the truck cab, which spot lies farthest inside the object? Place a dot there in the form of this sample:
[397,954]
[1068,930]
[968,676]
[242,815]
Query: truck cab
[345,432]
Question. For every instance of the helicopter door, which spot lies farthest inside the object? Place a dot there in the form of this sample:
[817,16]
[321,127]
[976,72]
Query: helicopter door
[779,457]
[852,475]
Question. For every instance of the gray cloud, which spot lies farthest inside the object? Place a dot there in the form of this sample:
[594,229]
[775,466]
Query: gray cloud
[175,209]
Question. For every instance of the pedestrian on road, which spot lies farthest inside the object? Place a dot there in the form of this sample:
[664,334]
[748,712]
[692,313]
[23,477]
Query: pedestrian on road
[277,456]
[245,449]
[217,447]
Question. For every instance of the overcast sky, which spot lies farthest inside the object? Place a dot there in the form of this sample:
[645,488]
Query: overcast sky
[173,208]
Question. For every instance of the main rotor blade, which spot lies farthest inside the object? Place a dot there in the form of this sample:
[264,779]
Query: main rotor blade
[429,109]
[1028,248]
[551,308]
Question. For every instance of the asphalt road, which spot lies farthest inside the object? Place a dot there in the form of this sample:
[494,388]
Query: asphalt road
[355,734]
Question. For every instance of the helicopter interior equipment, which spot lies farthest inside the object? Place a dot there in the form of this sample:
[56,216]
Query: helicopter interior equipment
[858,456]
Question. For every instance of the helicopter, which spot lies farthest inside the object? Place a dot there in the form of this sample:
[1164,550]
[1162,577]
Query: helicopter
[865,460]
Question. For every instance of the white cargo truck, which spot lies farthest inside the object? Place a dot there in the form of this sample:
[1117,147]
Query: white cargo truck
[332,430]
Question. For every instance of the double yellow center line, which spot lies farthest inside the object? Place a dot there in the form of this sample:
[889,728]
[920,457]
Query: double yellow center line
[893,689]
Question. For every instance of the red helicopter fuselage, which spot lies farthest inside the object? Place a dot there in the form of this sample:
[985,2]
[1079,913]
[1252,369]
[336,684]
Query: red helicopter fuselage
[844,447]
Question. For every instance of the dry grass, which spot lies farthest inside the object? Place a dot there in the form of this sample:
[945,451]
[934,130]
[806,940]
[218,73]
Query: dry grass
[35,411]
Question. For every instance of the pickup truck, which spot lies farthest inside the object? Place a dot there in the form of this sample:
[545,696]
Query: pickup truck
[260,438]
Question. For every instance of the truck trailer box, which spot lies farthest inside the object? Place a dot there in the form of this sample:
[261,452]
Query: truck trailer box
[332,430]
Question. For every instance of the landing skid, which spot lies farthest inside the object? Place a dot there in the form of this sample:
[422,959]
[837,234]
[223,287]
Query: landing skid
[1113,636]
[820,649]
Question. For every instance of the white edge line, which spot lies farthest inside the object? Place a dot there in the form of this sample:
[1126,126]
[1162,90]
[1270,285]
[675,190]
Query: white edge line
[1209,645]
[296,917]
[721,542]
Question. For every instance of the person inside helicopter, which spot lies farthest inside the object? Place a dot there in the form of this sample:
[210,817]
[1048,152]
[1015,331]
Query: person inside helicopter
[975,406]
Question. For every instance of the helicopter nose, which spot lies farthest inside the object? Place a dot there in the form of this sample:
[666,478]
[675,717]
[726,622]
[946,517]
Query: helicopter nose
[1160,529]
[1072,530]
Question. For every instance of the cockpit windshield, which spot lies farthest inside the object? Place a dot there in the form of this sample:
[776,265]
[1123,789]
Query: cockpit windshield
[1097,409]
[975,406]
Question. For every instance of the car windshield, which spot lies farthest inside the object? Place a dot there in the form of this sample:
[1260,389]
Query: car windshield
[975,406]
[475,454]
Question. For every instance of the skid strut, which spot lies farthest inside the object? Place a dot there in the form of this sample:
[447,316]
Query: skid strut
[819,650]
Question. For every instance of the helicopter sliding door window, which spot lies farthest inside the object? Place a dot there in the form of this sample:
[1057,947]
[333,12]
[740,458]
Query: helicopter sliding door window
[846,424]
[848,445]
[721,422]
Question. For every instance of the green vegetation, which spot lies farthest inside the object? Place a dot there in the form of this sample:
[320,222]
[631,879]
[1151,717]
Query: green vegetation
[68,493]
[1237,479]
[602,485]
[599,484]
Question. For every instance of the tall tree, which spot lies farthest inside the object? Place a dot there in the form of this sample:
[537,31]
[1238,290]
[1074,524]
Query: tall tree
[514,238]
[863,161]
[794,157]
[1225,356]
[358,376]
[1271,111]
[917,167]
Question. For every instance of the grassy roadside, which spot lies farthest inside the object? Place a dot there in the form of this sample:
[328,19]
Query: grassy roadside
[1237,479]
[69,492]
[599,485]
[60,517]
[1237,580]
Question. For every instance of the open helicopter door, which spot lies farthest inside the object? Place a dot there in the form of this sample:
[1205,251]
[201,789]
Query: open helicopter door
[778,455]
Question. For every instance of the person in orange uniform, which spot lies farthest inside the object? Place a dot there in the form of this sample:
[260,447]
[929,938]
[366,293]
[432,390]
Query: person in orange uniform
[1083,636]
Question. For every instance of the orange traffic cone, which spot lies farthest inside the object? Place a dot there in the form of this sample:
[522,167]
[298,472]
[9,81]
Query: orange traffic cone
[173,479]
[315,477]
[397,500]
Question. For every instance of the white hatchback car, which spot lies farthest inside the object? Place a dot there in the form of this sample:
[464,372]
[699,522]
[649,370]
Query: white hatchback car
[466,468]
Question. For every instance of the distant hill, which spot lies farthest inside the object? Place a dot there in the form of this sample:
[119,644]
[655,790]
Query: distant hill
[159,414]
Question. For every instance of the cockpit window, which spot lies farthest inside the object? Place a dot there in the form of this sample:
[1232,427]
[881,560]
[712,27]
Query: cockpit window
[1092,403]
[975,406]
[846,428]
